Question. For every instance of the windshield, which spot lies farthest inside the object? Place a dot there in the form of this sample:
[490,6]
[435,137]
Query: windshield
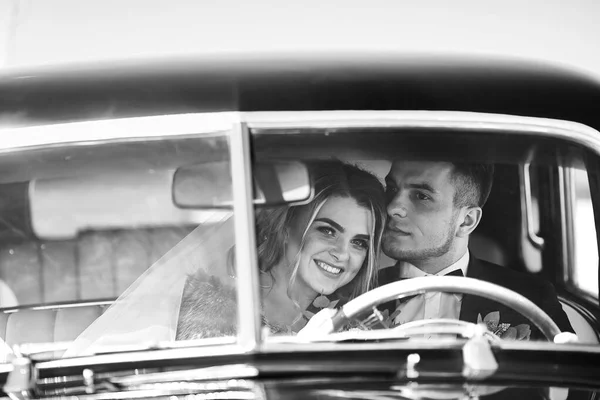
[127,240]
[501,207]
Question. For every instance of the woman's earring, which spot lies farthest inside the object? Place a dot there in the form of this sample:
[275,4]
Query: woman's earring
[321,301]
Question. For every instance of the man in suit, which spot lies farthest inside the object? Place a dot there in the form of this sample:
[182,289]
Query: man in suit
[433,207]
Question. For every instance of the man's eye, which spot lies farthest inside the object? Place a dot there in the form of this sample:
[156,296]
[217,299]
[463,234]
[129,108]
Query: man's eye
[422,196]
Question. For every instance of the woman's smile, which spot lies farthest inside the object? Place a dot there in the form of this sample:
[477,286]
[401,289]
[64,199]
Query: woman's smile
[330,269]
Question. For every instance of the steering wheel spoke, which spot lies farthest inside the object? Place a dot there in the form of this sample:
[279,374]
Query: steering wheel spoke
[377,317]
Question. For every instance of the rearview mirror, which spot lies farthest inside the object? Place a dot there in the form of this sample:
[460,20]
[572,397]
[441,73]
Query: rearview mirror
[209,185]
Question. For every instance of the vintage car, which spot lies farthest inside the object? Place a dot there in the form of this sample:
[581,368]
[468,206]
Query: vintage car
[111,171]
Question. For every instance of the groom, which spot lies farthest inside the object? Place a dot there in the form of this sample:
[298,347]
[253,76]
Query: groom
[433,207]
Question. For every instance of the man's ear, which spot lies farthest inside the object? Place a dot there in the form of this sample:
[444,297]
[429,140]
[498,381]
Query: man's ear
[470,217]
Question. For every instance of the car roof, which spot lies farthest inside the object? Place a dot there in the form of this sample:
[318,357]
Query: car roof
[287,82]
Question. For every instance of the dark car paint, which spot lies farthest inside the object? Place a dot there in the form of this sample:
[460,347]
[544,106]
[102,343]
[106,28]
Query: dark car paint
[294,83]
[377,363]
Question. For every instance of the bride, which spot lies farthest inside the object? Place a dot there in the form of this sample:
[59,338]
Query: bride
[310,257]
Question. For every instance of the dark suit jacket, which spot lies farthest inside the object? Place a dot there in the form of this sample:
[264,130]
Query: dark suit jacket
[540,292]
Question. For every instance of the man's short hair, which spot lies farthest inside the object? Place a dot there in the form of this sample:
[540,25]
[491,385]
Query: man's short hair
[473,183]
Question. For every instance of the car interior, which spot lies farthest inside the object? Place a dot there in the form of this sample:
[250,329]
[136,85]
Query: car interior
[66,265]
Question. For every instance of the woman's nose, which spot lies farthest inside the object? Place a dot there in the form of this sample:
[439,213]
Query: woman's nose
[340,251]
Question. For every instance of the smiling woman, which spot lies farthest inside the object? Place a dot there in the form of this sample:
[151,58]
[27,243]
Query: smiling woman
[329,246]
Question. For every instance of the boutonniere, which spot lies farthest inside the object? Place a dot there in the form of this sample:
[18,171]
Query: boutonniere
[502,329]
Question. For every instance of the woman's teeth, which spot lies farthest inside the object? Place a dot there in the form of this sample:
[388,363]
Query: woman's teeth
[328,268]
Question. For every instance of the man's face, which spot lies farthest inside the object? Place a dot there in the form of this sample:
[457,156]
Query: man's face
[422,219]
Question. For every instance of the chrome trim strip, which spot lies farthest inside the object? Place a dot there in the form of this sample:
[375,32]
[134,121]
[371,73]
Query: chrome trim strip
[566,203]
[122,129]
[535,240]
[58,306]
[216,348]
[249,322]
[185,392]
[510,124]
[175,391]
[570,194]
[291,344]
[229,371]
[157,127]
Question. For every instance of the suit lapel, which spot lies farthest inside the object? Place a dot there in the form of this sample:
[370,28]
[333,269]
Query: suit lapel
[385,276]
[388,275]
[472,306]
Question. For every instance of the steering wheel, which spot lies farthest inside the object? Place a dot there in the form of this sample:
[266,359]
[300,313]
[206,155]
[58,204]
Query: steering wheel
[414,286]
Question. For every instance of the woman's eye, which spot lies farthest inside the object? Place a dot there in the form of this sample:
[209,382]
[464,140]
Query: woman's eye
[362,244]
[326,230]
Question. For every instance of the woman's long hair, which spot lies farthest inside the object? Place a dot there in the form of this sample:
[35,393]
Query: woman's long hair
[331,178]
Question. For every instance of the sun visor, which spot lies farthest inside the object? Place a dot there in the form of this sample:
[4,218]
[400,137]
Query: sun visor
[61,208]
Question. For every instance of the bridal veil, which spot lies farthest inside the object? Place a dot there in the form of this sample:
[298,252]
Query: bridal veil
[147,312]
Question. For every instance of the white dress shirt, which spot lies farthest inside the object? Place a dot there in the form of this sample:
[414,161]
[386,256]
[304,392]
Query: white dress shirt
[433,304]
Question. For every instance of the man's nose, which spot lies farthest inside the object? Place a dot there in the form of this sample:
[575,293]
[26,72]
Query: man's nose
[397,207]
[340,252]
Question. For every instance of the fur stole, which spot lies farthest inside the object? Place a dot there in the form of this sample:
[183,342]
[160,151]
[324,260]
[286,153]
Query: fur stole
[208,308]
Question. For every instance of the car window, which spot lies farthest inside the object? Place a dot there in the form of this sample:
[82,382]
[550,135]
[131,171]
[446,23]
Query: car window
[512,217]
[91,231]
[584,275]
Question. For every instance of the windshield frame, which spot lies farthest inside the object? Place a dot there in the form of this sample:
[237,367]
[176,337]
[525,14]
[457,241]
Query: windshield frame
[295,122]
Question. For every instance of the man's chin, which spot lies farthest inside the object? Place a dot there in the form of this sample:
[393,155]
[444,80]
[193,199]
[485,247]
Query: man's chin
[394,248]
[396,253]
[402,255]
[399,252]
[404,248]
[413,256]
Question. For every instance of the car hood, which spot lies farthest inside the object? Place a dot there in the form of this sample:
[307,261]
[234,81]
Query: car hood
[320,370]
